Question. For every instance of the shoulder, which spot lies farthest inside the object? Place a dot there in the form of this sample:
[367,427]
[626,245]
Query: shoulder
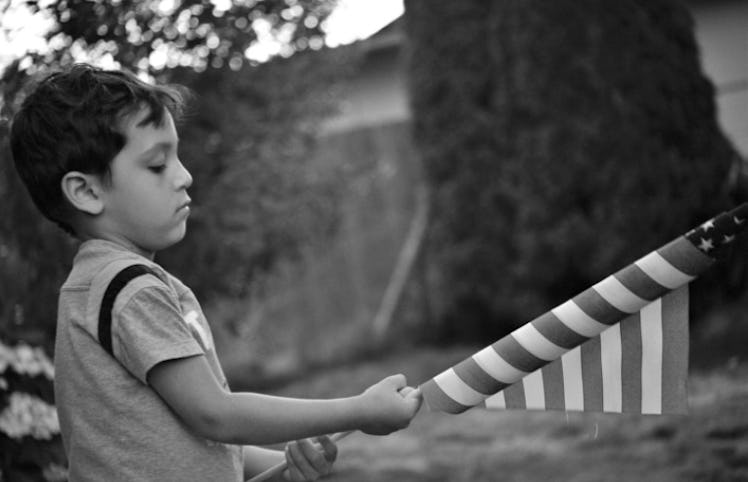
[98,261]
[120,279]
[182,291]
[112,275]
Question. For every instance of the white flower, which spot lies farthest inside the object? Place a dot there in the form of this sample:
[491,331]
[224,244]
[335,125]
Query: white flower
[25,360]
[55,473]
[29,415]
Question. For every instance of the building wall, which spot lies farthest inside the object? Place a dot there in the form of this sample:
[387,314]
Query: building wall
[722,34]
[376,95]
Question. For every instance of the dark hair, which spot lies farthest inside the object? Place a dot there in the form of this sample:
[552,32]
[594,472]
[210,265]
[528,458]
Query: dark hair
[72,121]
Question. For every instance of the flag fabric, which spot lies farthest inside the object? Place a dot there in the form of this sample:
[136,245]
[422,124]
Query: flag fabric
[619,346]
[636,366]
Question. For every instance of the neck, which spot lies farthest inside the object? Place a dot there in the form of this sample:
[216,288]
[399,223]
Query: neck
[125,243]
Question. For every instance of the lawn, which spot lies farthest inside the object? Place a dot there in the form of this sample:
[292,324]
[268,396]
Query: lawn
[709,444]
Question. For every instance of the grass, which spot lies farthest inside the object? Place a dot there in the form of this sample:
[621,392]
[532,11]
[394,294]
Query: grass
[709,444]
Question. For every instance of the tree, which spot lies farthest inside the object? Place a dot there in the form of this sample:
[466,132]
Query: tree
[561,140]
[154,34]
[257,200]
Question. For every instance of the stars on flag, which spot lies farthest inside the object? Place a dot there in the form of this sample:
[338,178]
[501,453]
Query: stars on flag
[720,231]
[707,237]
[706,245]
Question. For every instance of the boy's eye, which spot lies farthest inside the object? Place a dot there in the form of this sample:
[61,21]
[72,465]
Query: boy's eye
[157,169]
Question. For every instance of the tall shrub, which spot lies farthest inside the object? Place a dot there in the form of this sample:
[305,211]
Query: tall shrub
[249,145]
[561,141]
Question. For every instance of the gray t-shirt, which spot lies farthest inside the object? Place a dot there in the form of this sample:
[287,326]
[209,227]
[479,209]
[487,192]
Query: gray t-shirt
[114,426]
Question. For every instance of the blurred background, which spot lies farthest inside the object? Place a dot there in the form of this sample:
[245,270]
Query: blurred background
[385,187]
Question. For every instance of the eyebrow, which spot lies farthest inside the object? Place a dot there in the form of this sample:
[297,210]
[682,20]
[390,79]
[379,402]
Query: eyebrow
[159,146]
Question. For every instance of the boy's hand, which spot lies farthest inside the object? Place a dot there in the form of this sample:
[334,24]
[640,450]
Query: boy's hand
[307,460]
[388,406]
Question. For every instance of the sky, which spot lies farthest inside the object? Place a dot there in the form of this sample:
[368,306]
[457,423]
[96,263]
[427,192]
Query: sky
[357,19]
[350,21]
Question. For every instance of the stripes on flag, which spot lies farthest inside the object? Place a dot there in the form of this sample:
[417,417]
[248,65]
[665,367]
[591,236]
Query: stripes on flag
[662,272]
[572,379]
[626,369]
[611,354]
[675,364]
[588,374]
[623,343]
[651,327]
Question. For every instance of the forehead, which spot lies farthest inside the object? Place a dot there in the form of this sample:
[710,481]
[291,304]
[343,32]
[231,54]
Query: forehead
[139,133]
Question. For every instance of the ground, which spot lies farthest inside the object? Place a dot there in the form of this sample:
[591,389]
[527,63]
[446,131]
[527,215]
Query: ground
[708,444]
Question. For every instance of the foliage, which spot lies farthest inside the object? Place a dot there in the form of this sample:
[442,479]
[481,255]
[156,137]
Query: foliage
[34,259]
[256,200]
[152,35]
[557,151]
[30,444]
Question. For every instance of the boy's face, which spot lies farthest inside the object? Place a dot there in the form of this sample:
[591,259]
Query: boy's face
[146,203]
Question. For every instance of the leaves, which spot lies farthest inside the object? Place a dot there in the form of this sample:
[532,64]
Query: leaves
[154,35]
[257,200]
[557,152]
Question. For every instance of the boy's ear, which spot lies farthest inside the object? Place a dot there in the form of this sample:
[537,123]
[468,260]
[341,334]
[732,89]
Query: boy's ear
[83,191]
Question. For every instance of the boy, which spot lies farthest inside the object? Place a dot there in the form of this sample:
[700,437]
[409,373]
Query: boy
[140,393]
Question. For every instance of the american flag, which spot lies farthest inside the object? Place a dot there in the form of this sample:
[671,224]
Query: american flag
[619,346]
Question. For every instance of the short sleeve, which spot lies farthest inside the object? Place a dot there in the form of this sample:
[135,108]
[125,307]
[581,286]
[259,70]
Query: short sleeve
[150,329]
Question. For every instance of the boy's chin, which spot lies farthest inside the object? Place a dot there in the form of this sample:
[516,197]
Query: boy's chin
[168,241]
[176,238]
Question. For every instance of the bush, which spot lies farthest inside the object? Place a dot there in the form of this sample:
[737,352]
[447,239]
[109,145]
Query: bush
[557,151]
[30,443]
[257,200]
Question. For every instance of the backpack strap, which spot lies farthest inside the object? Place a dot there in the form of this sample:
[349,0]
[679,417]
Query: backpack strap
[119,281]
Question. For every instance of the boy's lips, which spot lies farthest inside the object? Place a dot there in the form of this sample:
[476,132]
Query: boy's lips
[184,206]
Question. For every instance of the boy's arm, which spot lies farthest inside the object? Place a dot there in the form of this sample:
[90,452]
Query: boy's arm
[191,390]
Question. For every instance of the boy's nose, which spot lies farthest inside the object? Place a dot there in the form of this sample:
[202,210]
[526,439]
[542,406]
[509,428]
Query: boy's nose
[185,178]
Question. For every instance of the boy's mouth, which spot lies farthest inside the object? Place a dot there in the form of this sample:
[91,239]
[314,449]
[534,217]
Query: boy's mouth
[185,205]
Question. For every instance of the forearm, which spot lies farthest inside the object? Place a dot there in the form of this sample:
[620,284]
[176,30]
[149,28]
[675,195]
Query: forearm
[256,419]
[192,391]
[258,460]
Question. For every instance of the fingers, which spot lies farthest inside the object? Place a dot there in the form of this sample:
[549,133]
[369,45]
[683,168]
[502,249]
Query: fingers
[405,391]
[413,396]
[308,461]
[399,381]
[412,393]
[408,392]
[416,397]
[388,405]
[298,467]
[316,456]
[329,448]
